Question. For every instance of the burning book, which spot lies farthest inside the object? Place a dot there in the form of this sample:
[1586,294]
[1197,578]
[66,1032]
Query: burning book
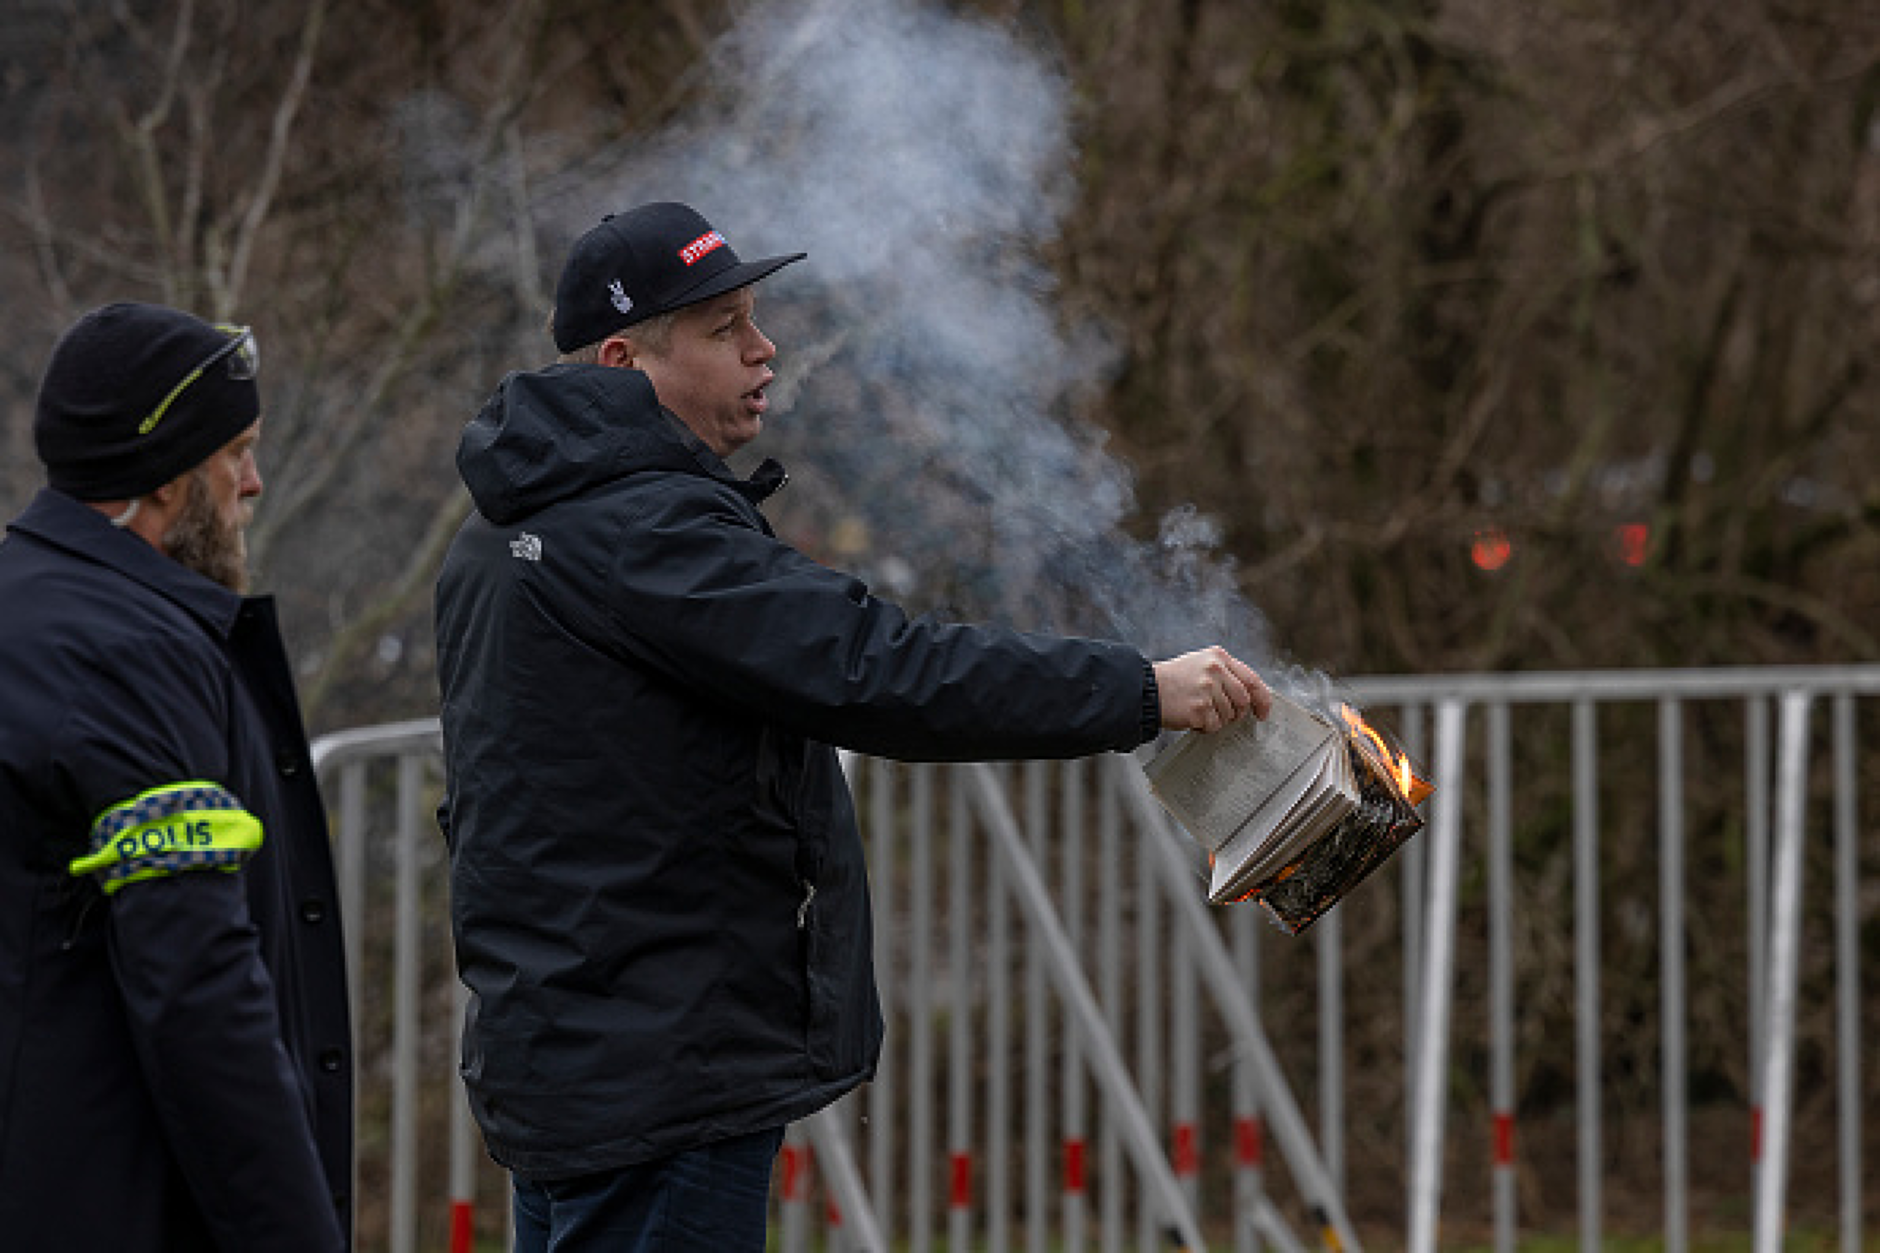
[1294,810]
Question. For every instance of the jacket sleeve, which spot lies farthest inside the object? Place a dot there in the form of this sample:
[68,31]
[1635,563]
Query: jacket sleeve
[699,592]
[199,1007]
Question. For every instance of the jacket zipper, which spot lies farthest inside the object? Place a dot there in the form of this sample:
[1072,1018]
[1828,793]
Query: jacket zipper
[802,911]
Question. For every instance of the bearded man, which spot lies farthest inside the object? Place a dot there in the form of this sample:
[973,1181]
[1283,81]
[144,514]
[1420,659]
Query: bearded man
[174,1044]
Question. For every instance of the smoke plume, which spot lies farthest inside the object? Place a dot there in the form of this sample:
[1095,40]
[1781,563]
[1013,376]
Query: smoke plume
[929,387]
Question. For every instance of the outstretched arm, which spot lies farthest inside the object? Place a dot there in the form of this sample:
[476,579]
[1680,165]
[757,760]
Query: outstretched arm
[1207,689]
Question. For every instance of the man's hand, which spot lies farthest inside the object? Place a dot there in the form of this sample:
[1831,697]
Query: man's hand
[1207,689]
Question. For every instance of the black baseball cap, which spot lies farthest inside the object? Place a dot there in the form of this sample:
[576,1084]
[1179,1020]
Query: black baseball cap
[642,263]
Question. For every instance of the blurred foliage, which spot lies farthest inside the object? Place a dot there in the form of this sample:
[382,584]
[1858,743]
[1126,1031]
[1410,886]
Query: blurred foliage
[1390,286]
[1417,272]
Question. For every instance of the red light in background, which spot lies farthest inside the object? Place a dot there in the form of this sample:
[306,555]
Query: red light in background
[1491,549]
[1631,543]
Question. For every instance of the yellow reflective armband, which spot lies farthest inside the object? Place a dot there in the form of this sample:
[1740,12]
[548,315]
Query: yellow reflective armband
[167,830]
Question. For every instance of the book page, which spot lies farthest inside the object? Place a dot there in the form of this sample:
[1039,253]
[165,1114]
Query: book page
[1278,833]
[1213,784]
[1274,823]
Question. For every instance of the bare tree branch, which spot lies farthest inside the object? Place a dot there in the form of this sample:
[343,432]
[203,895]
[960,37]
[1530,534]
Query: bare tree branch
[280,131]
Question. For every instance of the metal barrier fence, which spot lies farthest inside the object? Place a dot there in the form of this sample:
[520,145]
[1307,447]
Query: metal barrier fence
[1079,1052]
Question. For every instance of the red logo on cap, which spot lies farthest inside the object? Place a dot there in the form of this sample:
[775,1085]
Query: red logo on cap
[700,246]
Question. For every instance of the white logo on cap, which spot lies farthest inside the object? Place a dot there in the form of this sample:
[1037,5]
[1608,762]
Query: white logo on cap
[710,241]
[618,295]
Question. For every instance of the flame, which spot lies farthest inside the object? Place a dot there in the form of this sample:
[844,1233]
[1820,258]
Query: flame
[1395,762]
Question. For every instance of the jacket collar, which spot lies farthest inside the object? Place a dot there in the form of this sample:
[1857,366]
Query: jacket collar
[58,520]
[551,434]
[765,481]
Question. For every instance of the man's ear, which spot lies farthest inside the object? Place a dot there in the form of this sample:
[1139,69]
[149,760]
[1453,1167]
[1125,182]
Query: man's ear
[150,515]
[168,494]
[618,351]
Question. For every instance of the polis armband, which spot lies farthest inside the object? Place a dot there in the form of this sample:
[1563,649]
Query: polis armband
[169,830]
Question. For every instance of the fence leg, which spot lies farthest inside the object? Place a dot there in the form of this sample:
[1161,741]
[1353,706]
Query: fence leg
[1785,917]
[1429,1094]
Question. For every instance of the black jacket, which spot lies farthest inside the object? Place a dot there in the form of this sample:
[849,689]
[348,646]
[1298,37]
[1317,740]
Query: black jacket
[175,1065]
[657,885]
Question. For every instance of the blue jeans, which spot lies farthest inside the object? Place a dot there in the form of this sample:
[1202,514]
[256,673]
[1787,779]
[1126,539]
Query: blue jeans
[712,1199]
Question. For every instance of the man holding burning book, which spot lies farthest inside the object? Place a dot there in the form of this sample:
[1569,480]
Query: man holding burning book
[658,892]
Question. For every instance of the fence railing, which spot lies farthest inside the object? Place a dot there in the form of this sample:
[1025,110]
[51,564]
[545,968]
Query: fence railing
[1082,1054]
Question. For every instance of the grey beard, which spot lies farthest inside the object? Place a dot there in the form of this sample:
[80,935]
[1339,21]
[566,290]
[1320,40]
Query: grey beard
[199,539]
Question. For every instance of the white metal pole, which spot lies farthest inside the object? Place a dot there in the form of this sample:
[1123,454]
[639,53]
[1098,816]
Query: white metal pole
[1249,1185]
[795,1155]
[959,1013]
[1501,971]
[1586,966]
[1075,1137]
[1413,871]
[1430,1093]
[1847,968]
[350,871]
[1110,983]
[1756,834]
[405,993]
[1329,941]
[463,1146]
[1785,925]
[920,1016]
[1038,1075]
[1185,1069]
[1149,1070]
[882,1126]
[1671,994]
[998,1079]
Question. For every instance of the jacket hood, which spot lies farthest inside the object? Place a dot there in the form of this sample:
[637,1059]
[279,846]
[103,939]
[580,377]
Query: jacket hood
[546,435]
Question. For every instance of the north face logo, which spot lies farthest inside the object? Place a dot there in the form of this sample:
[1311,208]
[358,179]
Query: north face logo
[526,547]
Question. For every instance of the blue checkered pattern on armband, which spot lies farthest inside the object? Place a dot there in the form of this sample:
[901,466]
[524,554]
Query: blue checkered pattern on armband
[185,826]
[152,806]
[166,863]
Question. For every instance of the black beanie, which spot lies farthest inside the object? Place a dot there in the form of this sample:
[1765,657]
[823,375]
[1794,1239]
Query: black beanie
[108,374]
